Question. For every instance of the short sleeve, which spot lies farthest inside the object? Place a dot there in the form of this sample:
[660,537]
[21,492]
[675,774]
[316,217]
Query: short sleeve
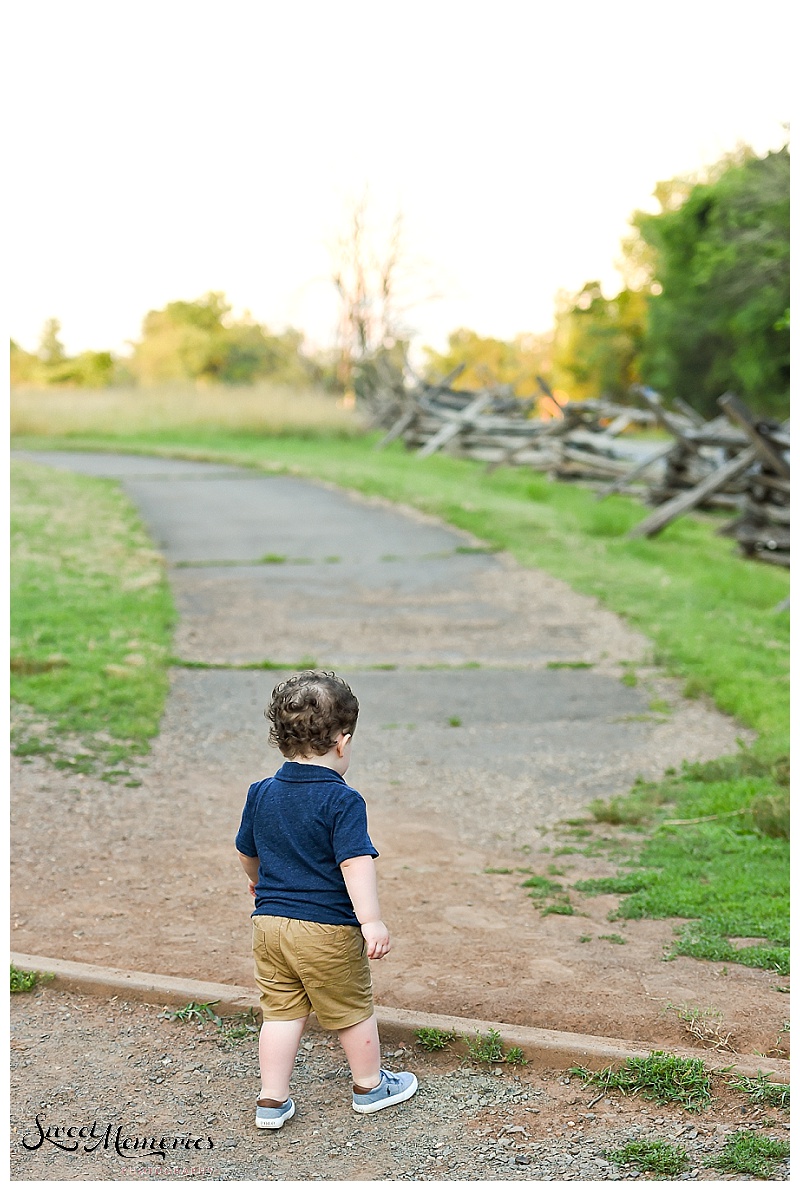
[245,837]
[349,835]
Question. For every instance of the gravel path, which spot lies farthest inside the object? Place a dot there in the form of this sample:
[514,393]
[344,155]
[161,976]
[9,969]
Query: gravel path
[78,1060]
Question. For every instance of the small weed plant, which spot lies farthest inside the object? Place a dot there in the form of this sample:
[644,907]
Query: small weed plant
[654,1157]
[661,1077]
[231,1029]
[705,1026]
[241,1025]
[27,981]
[747,1153]
[430,1038]
[488,1048]
[194,1011]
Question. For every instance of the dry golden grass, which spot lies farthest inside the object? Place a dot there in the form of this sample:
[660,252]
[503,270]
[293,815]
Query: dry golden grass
[257,409]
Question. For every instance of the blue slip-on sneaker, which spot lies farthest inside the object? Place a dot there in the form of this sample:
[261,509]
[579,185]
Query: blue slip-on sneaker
[273,1118]
[393,1089]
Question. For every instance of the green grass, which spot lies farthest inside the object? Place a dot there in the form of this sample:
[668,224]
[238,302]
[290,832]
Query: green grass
[548,895]
[762,1091]
[91,620]
[709,613]
[747,1153]
[655,1157]
[716,852]
[661,1077]
[541,887]
[570,665]
[265,664]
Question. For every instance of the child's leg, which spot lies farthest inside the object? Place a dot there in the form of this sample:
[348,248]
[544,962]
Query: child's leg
[362,1047]
[277,1051]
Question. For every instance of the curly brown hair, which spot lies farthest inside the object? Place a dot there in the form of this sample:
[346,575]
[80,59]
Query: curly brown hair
[308,711]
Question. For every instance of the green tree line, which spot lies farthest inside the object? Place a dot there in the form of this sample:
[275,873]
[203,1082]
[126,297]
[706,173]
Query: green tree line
[186,341]
[704,308]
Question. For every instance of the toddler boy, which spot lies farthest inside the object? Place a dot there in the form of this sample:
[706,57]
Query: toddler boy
[304,846]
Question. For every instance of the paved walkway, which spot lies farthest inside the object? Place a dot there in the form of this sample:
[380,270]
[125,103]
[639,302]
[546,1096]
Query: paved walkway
[478,741]
[271,568]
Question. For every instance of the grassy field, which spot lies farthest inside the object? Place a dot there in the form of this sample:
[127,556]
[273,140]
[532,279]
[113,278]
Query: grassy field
[710,614]
[252,409]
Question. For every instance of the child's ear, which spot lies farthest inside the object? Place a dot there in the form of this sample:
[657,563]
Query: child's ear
[341,743]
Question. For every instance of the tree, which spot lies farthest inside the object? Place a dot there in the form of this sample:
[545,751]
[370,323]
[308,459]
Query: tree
[598,342]
[25,367]
[88,370]
[371,276]
[719,254]
[251,352]
[199,341]
[51,349]
[489,361]
[50,365]
[183,341]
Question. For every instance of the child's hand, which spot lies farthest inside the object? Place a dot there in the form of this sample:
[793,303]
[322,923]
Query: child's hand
[251,888]
[377,939]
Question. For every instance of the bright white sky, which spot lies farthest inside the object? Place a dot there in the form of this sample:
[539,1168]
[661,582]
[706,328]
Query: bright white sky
[163,149]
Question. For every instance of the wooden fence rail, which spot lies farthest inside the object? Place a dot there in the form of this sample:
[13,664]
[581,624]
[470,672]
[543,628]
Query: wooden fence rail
[735,461]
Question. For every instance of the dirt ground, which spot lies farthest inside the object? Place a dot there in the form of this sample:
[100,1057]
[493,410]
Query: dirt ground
[466,942]
[128,1076]
[465,771]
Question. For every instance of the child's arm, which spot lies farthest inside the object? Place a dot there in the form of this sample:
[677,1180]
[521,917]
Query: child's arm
[362,885]
[250,866]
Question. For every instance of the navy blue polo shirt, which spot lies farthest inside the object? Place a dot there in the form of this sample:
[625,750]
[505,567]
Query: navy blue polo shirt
[301,824]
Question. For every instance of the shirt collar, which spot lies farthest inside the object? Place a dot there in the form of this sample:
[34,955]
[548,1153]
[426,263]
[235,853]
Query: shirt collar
[291,771]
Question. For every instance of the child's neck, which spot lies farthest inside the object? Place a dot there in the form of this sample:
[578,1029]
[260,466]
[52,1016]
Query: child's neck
[330,760]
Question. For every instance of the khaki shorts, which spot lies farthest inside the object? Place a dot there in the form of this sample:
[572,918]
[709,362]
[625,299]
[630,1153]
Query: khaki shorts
[301,966]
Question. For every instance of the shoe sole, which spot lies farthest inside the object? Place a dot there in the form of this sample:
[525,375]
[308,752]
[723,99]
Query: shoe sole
[277,1122]
[398,1098]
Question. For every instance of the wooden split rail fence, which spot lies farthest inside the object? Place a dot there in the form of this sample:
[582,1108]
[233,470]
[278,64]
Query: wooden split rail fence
[497,428]
[734,461]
